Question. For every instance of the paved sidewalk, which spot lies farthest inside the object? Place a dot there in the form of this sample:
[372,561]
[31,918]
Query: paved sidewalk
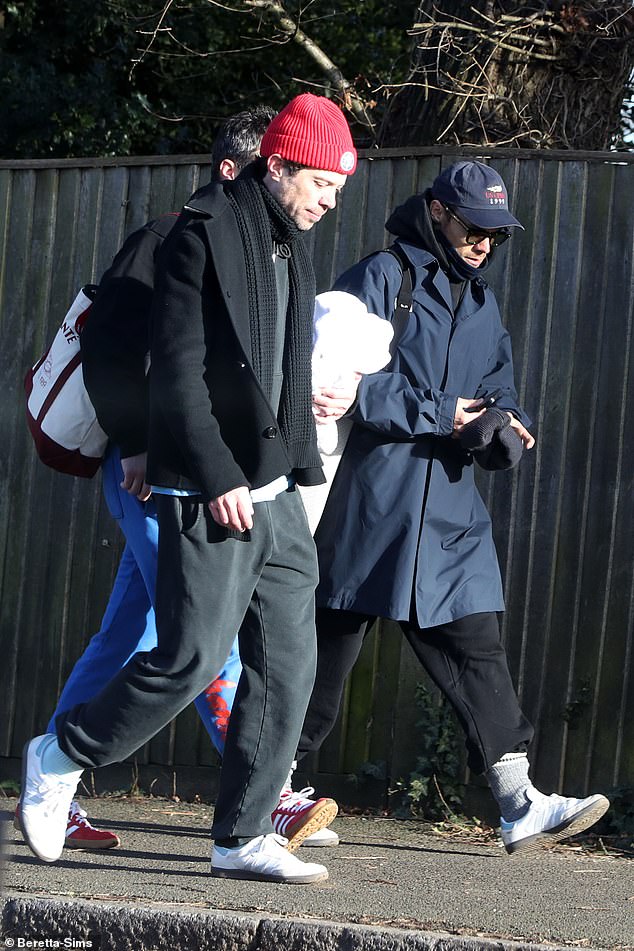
[391,886]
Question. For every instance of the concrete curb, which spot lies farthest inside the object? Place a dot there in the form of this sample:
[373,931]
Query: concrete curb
[56,923]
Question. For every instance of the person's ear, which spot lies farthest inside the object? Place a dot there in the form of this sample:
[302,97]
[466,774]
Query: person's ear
[436,210]
[275,166]
[227,170]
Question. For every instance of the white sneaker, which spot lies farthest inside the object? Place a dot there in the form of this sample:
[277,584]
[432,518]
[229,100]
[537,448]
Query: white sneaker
[265,859]
[44,801]
[549,819]
[322,837]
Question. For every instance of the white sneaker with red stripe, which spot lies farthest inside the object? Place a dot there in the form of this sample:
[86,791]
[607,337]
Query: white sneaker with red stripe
[297,816]
[80,833]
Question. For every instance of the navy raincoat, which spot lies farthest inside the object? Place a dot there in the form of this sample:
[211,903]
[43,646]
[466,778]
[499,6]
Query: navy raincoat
[404,525]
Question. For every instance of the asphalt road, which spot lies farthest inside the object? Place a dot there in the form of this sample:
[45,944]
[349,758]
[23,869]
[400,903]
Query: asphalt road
[385,874]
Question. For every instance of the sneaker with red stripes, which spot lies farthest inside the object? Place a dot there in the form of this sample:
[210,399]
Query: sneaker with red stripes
[80,833]
[297,816]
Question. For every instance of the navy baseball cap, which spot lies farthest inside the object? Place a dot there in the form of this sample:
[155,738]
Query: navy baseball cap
[478,192]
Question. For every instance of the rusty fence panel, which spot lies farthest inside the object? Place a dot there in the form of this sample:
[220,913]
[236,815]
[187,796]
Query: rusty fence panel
[563,521]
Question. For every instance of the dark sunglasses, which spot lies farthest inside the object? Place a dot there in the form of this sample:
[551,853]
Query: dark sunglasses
[496,237]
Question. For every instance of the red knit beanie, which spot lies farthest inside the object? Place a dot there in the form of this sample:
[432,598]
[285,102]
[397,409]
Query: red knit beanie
[311,130]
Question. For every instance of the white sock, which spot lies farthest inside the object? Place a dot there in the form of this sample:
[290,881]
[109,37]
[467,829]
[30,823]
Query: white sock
[54,760]
[288,785]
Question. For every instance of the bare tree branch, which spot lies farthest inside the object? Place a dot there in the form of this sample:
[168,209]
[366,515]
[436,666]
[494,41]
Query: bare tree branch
[153,35]
[291,32]
[351,100]
[550,75]
[553,74]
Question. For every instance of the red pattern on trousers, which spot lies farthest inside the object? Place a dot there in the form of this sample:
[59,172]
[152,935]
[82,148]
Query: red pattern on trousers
[218,705]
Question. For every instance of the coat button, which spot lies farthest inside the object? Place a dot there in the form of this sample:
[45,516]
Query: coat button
[241,365]
[270,432]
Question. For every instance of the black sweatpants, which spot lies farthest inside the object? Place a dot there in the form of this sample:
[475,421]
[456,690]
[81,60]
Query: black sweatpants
[212,583]
[464,658]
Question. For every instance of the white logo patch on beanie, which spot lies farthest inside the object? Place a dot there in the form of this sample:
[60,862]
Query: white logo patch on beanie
[347,161]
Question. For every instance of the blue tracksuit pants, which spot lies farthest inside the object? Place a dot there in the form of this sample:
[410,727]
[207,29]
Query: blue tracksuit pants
[128,625]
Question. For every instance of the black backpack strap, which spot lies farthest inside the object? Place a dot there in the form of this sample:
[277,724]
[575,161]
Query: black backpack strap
[404,299]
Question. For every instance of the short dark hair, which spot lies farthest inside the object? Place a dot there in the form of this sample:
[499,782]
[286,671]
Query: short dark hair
[239,137]
[293,167]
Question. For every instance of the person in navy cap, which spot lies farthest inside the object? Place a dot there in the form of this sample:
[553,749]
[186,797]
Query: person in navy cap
[405,534]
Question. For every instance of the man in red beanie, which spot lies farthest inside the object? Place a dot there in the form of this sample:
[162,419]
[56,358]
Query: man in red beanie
[231,434]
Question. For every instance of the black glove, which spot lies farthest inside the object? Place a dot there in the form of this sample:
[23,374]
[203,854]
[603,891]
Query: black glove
[492,440]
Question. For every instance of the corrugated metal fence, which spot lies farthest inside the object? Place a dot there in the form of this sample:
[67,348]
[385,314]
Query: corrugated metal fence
[563,521]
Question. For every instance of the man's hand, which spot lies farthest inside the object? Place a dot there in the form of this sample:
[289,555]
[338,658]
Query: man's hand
[134,476]
[522,432]
[331,403]
[234,509]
